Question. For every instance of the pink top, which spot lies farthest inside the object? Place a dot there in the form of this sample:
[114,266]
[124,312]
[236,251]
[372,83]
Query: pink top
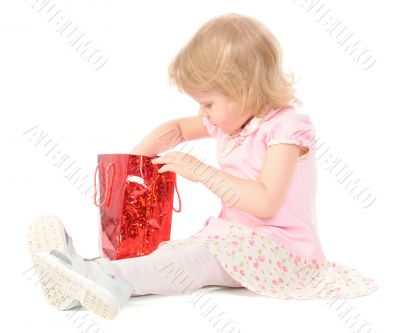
[243,154]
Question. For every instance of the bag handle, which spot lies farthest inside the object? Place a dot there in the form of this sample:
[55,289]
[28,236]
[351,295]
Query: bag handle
[106,190]
[179,198]
[155,173]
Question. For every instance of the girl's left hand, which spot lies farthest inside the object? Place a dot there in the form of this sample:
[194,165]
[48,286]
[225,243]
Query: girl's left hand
[181,163]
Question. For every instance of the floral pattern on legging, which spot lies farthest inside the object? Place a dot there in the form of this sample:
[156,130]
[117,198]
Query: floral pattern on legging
[266,267]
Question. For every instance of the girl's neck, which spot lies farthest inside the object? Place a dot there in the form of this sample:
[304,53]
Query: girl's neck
[241,127]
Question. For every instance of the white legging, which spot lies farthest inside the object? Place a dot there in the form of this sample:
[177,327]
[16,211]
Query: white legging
[168,271]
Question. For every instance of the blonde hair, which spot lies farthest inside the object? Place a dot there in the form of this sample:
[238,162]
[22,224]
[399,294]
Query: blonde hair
[237,56]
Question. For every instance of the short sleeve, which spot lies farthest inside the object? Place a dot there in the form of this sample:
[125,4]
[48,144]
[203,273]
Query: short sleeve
[292,128]
[211,128]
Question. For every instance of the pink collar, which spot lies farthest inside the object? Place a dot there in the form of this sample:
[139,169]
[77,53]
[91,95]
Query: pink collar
[255,122]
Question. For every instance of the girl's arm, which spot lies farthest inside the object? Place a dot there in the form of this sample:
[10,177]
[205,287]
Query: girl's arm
[261,197]
[170,134]
[162,138]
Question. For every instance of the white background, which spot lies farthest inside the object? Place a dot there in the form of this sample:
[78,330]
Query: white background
[45,82]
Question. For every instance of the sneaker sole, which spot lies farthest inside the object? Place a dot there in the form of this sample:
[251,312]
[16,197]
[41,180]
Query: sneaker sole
[91,295]
[47,233]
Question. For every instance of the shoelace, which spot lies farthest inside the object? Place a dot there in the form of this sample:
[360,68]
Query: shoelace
[76,261]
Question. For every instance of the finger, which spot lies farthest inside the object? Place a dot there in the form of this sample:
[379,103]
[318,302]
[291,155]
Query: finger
[180,156]
[166,167]
[170,157]
[160,160]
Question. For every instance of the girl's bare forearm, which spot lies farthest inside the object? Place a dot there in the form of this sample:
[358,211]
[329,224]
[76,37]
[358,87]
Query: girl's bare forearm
[160,139]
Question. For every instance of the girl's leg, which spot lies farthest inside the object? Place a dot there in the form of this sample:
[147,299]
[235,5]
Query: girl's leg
[167,271]
[104,286]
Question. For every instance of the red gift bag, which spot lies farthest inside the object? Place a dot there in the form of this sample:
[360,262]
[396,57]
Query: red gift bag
[136,205]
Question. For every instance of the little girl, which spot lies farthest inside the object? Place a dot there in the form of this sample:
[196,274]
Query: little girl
[265,236]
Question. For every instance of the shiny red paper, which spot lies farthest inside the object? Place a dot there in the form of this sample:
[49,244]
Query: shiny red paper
[135,203]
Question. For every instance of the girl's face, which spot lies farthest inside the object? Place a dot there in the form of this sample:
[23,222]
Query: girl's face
[220,110]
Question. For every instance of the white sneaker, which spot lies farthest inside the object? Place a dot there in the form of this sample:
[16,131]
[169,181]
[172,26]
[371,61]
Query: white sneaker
[104,296]
[47,233]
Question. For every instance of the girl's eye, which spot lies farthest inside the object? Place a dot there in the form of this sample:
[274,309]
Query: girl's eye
[208,105]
